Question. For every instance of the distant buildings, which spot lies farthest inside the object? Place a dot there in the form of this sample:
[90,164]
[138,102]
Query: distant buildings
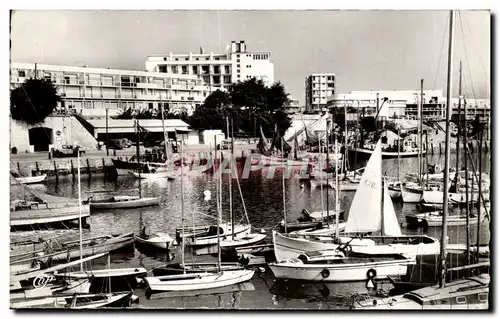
[404,104]
[318,88]
[90,91]
[217,69]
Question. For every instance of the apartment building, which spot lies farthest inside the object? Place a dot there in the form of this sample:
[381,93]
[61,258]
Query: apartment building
[90,91]
[219,70]
[318,88]
[405,103]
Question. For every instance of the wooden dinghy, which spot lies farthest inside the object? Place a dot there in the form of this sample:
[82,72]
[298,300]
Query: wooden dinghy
[123,201]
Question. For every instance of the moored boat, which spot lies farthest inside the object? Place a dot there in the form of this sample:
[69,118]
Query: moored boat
[123,201]
[334,266]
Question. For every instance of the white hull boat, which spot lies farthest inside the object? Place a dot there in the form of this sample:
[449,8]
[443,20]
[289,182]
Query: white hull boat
[31,179]
[436,197]
[76,301]
[153,176]
[435,219]
[158,240]
[484,250]
[290,246]
[395,190]
[249,239]
[240,231]
[411,194]
[327,230]
[464,294]
[198,281]
[312,268]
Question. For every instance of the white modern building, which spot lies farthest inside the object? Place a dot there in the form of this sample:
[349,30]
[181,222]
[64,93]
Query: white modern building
[90,91]
[318,87]
[404,104]
[292,106]
[217,69]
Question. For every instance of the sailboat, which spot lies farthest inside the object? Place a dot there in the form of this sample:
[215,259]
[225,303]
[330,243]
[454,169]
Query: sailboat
[196,281]
[126,201]
[366,215]
[233,234]
[462,294]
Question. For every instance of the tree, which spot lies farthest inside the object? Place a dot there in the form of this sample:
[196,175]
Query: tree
[33,101]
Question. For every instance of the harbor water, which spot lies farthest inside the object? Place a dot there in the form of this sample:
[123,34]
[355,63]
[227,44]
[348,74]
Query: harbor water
[263,200]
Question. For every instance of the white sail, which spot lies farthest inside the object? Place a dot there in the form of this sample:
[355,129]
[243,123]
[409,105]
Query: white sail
[365,213]
[391,224]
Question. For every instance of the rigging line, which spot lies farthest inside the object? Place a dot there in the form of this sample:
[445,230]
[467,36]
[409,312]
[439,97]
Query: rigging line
[478,55]
[441,52]
[467,58]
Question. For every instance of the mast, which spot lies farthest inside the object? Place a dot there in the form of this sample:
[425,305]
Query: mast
[467,203]
[382,227]
[345,140]
[480,149]
[182,211]
[231,217]
[163,125]
[337,204]
[444,236]
[426,158]
[459,125]
[327,171]
[138,136]
[399,156]
[321,175]
[109,273]
[420,107]
[219,209]
[80,212]
[283,185]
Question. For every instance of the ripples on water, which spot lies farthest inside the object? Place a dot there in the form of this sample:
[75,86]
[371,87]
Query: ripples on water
[264,203]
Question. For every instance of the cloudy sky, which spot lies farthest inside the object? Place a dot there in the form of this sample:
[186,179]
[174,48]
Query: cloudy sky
[368,50]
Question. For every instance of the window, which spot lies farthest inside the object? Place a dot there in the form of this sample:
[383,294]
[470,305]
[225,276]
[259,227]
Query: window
[137,80]
[227,79]
[176,59]
[162,69]
[216,58]
[238,71]
[21,73]
[207,59]
[216,79]
[164,59]
[150,106]
[216,69]
[205,69]
[186,59]
[66,80]
[249,66]
[237,65]
[330,85]
[461,299]
[195,69]
[197,59]
[237,55]
[227,69]
[238,60]
[483,297]
[184,69]
[174,68]
[330,78]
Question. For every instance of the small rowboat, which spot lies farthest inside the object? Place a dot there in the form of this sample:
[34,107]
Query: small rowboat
[123,201]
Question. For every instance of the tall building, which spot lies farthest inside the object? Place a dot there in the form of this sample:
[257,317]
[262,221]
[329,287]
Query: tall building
[217,69]
[90,91]
[318,87]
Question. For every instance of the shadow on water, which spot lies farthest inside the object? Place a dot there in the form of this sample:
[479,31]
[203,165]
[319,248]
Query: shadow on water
[263,198]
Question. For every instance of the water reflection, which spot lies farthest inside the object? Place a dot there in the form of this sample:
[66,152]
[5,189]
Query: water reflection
[263,199]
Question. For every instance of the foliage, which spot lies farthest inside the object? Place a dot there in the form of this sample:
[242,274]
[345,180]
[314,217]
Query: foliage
[33,101]
[246,105]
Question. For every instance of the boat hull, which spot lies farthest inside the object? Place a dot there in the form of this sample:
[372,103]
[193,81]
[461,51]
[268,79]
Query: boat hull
[361,152]
[136,203]
[31,179]
[185,282]
[410,194]
[155,242]
[286,247]
[340,272]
